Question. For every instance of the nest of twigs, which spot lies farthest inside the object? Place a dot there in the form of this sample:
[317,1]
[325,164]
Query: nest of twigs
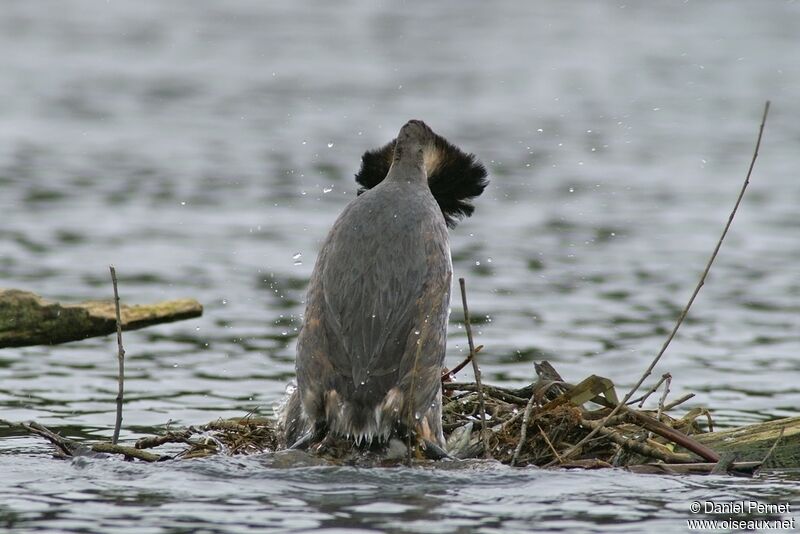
[538,425]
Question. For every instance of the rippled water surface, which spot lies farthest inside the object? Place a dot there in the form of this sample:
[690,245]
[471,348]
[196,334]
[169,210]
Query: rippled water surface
[205,148]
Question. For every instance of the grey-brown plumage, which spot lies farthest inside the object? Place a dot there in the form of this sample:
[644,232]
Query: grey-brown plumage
[372,345]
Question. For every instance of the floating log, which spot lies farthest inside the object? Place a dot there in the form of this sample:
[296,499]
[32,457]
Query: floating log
[754,442]
[28,319]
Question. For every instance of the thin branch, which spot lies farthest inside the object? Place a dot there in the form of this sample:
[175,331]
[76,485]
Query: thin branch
[150,442]
[66,447]
[577,447]
[663,399]
[452,373]
[503,394]
[678,401]
[128,452]
[549,443]
[475,367]
[120,358]
[649,392]
[524,430]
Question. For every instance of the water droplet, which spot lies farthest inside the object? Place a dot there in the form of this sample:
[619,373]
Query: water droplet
[571,189]
[224,301]
[416,332]
[183,202]
[488,260]
[327,189]
[477,262]
[298,258]
[303,143]
[330,145]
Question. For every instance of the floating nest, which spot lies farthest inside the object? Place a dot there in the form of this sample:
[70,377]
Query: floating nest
[538,425]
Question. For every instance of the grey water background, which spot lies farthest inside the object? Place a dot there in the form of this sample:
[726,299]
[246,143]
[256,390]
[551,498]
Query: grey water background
[204,148]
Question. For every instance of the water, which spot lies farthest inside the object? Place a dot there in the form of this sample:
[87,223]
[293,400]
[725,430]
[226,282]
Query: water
[204,149]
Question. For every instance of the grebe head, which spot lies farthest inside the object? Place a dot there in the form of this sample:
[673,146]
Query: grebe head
[454,177]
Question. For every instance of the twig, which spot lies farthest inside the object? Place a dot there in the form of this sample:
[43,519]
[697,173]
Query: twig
[549,443]
[129,452]
[649,392]
[497,392]
[151,442]
[65,446]
[70,448]
[120,358]
[524,430]
[475,368]
[573,450]
[452,373]
[667,381]
[678,401]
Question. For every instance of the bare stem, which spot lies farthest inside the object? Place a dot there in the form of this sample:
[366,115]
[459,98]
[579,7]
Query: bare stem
[453,372]
[475,367]
[523,431]
[663,399]
[649,392]
[120,358]
[577,447]
[678,401]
